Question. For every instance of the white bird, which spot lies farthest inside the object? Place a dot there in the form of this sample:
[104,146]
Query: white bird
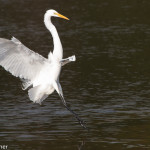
[39,74]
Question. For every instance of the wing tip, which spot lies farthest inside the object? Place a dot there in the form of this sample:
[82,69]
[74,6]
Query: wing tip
[13,39]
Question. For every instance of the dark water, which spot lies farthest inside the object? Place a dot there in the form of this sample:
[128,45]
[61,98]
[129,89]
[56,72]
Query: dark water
[108,85]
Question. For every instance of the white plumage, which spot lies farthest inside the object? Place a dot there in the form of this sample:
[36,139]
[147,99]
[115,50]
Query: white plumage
[35,70]
[19,60]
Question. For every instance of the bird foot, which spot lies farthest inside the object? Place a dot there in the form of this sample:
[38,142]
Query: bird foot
[72,58]
[83,124]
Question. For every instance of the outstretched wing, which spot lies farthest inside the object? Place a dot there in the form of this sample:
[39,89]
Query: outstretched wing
[19,60]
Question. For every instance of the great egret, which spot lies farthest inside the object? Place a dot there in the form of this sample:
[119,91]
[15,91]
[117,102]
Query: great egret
[35,70]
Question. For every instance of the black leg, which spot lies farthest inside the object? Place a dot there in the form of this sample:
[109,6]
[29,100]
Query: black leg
[81,122]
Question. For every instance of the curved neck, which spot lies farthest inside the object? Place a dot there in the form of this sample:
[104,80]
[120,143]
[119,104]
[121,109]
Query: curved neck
[58,51]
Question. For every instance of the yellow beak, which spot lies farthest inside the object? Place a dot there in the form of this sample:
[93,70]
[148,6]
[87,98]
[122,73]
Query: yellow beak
[61,16]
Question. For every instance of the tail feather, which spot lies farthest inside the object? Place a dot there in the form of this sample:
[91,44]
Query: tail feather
[36,95]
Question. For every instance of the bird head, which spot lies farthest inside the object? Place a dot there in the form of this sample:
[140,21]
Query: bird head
[54,13]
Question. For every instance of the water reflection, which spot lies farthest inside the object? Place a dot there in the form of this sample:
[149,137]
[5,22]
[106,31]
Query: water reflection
[80,147]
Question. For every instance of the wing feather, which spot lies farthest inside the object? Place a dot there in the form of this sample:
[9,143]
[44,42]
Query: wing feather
[19,60]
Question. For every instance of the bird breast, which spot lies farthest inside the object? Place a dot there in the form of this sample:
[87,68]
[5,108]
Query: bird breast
[48,74]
